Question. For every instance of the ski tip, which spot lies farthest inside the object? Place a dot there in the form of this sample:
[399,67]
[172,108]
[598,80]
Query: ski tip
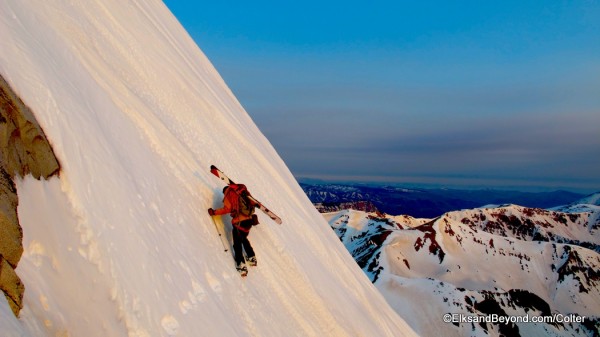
[213,167]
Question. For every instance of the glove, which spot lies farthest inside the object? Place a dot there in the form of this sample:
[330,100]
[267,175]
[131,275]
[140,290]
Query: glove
[211,212]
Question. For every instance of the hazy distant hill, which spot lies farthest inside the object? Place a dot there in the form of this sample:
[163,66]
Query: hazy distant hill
[429,203]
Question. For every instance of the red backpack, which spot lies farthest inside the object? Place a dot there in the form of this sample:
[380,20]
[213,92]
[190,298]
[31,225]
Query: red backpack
[242,205]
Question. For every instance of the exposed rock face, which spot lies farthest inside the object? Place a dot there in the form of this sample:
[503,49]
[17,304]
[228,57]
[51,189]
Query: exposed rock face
[11,285]
[23,150]
[10,232]
[23,146]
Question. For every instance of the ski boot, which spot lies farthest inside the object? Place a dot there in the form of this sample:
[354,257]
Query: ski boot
[241,268]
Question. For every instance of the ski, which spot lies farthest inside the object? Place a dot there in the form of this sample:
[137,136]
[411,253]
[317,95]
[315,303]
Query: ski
[219,174]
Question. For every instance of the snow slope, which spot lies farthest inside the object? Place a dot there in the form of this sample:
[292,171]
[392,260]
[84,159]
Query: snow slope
[509,260]
[589,204]
[121,244]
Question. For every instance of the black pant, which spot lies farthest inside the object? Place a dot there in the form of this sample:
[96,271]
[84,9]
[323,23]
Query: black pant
[240,240]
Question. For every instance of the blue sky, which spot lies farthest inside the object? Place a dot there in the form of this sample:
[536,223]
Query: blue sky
[497,94]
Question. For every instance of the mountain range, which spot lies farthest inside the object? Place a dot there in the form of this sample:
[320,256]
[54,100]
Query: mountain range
[429,202]
[473,265]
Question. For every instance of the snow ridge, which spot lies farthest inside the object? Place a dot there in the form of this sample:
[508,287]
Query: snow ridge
[121,244]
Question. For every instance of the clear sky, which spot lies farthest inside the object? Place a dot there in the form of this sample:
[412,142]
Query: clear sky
[450,93]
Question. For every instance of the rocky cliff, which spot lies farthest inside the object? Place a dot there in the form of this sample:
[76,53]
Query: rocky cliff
[23,150]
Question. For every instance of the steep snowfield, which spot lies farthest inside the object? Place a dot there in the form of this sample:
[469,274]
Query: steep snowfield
[121,244]
[507,260]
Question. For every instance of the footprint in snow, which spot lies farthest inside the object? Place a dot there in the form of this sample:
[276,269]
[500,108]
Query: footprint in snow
[213,282]
[170,325]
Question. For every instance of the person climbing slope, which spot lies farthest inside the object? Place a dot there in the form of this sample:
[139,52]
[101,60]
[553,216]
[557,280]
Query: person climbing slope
[237,203]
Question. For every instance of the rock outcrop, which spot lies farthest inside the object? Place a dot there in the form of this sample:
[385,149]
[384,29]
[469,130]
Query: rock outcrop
[23,150]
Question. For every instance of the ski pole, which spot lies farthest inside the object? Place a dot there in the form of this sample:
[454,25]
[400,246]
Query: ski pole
[225,248]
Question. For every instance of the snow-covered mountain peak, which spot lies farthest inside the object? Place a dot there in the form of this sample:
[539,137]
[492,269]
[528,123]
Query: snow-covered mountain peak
[592,199]
[508,260]
[121,244]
